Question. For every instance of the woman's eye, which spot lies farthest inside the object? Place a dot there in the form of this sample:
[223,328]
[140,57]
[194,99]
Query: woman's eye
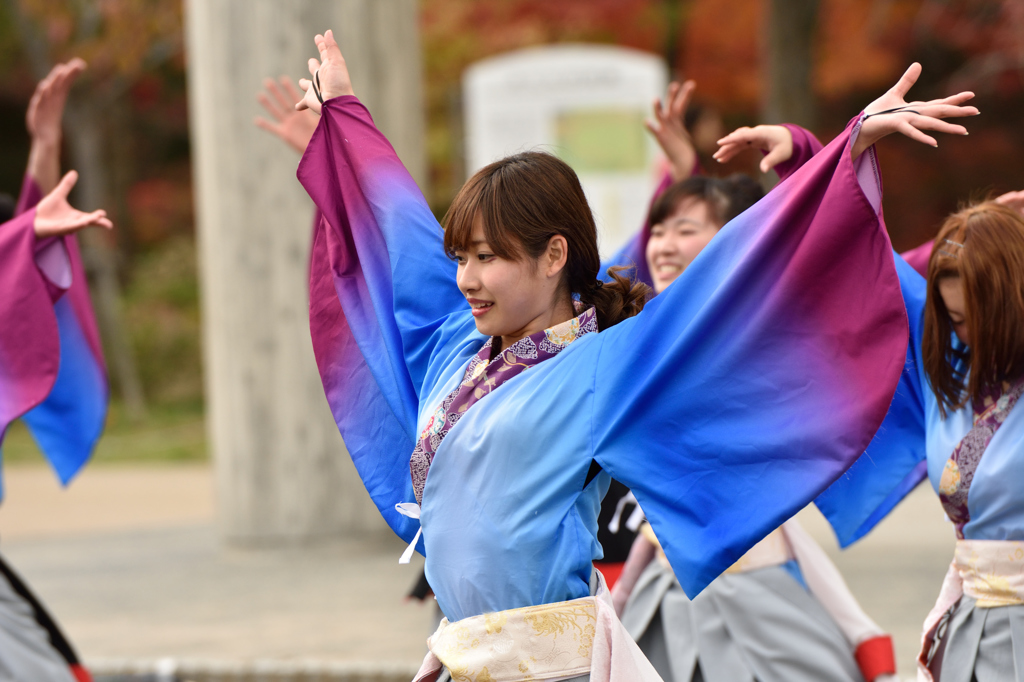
[484,256]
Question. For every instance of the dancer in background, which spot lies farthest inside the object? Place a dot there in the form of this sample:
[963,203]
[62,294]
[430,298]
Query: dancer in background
[52,373]
[783,611]
[955,419]
[518,407]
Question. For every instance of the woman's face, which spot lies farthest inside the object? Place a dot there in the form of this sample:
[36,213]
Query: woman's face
[512,298]
[677,240]
[952,291]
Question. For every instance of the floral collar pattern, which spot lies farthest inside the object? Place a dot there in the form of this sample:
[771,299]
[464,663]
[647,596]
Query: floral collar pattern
[483,375]
[957,475]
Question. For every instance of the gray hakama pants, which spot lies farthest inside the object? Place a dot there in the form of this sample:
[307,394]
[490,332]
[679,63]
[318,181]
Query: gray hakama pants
[986,645]
[762,626]
[28,650]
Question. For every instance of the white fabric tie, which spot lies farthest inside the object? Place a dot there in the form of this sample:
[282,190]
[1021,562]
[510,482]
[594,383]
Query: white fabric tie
[410,510]
[634,520]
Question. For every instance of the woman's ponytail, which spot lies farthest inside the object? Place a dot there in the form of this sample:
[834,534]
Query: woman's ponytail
[617,299]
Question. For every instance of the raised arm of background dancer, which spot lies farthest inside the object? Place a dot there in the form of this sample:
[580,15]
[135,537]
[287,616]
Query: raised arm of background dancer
[293,127]
[788,331]
[668,126]
[43,120]
[786,147]
[32,347]
[382,237]
[669,129]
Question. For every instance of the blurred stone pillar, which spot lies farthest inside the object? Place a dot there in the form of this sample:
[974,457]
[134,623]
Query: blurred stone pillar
[283,473]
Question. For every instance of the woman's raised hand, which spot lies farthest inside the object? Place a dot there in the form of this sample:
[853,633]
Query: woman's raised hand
[775,141]
[43,120]
[891,113]
[330,75]
[279,99]
[669,128]
[55,217]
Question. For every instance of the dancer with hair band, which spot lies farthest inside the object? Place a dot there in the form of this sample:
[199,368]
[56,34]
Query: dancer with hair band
[518,407]
[52,373]
[782,612]
[956,420]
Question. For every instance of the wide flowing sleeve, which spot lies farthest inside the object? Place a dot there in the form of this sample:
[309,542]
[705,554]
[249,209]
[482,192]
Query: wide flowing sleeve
[919,256]
[895,461]
[385,309]
[761,374]
[68,409]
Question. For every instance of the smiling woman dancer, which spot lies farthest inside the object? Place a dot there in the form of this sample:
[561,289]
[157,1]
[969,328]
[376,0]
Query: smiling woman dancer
[505,488]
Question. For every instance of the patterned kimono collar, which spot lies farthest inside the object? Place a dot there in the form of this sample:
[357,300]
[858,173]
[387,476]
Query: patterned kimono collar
[989,415]
[483,375]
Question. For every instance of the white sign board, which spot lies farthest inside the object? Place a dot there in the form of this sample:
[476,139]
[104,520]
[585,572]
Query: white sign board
[583,103]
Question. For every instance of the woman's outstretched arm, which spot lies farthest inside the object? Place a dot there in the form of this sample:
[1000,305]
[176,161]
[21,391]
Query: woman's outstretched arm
[763,372]
[385,309]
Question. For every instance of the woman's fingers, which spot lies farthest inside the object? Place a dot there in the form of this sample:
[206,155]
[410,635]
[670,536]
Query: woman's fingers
[774,157]
[907,80]
[681,101]
[307,87]
[904,127]
[729,151]
[313,65]
[279,95]
[66,184]
[289,86]
[937,125]
[656,106]
[271,108]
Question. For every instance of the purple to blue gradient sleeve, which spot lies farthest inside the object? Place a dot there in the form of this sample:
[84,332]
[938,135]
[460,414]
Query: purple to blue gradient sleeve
[52,372]
[384,303]
[760,375]
[894,463]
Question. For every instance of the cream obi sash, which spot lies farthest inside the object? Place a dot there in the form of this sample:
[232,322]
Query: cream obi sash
[551,642]
[990,571]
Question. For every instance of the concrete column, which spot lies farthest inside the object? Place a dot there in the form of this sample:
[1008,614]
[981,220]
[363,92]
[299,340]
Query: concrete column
[283,473]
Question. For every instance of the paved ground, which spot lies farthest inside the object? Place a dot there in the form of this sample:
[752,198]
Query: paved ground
[129,561]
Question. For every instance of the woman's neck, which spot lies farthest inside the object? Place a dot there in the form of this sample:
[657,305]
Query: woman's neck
[558,314]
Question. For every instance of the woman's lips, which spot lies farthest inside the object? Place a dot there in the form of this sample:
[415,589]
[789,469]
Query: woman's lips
[480,307]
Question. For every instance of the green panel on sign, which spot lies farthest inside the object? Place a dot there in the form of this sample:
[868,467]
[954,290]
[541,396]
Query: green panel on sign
[602,140]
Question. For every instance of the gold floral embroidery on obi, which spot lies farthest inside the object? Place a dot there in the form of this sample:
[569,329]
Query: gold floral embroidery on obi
[992,571]
[532,643]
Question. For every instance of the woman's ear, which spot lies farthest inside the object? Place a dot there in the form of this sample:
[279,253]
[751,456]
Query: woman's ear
[557,255]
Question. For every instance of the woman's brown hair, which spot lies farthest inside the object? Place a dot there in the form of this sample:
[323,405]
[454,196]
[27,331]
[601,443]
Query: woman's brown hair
[726,198]
[523,201]
[983,245]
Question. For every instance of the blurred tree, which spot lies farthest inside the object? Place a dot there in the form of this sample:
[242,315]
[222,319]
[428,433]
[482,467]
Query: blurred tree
[790,31]
[121,40]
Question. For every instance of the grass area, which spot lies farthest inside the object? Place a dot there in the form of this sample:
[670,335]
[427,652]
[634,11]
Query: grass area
[167,434]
